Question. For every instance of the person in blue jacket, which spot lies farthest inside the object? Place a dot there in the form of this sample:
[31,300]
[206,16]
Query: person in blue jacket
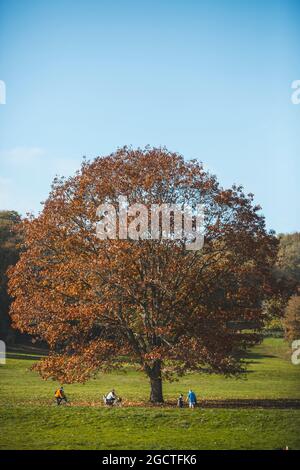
[192,399]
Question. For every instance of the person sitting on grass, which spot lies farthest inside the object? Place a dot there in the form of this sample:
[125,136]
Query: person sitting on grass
[60,396]
[180,401]
[192,399]
[111,397]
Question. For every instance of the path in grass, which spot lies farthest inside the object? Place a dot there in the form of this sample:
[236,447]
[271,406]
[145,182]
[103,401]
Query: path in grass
[283,404]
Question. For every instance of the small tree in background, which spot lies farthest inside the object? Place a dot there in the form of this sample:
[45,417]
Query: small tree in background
[291,320]
[166,308]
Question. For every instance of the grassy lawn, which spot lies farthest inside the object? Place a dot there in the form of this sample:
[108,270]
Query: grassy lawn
[29,419]
[146,428]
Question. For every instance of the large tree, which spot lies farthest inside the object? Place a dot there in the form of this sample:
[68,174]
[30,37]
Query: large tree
[168,309]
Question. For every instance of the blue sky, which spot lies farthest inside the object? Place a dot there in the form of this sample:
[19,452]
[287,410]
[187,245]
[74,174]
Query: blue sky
[209,79]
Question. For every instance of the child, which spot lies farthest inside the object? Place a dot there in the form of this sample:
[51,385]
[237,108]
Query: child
[180,401]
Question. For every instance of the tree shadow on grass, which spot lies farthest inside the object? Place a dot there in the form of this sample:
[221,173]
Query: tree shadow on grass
[25,357]
[29,353]
[253,355]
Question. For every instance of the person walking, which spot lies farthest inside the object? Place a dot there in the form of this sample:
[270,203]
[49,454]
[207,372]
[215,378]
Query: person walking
[192,399]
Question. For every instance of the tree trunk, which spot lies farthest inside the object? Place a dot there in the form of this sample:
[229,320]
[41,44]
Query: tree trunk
[156,395]
[154,373]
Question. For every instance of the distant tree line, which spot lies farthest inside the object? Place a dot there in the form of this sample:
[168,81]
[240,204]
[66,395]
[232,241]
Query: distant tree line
[9,255]
[282,310]
[289,270]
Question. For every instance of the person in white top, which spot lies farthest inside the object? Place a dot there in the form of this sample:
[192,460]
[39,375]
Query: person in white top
[111,397]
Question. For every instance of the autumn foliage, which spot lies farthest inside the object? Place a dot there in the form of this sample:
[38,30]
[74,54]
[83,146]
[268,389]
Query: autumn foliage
[167,309]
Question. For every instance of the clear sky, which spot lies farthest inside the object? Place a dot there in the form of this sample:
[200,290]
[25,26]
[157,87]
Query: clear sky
[209,79]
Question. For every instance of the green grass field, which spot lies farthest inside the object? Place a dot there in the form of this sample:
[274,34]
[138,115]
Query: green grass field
[258,411]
